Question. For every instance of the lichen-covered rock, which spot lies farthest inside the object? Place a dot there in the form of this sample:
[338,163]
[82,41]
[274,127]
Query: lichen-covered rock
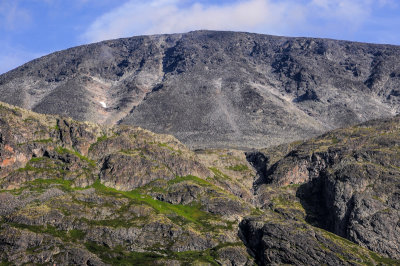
[279,242]
[349,182]
[79,193]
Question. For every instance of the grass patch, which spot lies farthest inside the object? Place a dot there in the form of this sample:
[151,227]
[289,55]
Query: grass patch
[187,213]
[62,150]
[49,140]
[195,179]
[238,168]
[40,229]
[335,140]
[382,260]
[41,184]
[168,147]
[44,165]
[115,223]
[73,235]
[218,173]
[118,256]
[102,138]
[76,234]
[37,159]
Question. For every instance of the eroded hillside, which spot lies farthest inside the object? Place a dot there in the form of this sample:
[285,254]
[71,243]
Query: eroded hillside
[214,89]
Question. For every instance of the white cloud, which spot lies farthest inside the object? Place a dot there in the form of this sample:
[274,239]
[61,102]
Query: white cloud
[12,16]
[12,57]
[168,16]
[283,17]
[354,12]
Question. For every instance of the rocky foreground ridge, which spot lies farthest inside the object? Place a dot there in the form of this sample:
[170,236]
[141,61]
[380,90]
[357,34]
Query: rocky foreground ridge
[81,193]
[214,89]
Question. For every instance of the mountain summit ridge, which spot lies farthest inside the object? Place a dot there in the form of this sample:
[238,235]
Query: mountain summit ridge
[212,88]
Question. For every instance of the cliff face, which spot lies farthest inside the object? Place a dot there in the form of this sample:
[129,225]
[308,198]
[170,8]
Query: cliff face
[81,193]
[214,89]
[348,182]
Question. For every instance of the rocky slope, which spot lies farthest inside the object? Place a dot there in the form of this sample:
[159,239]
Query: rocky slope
[81,193]
[214,89]
[348,182]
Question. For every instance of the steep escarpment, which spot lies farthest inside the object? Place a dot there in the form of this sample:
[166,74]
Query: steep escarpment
[214,89]
[348,182]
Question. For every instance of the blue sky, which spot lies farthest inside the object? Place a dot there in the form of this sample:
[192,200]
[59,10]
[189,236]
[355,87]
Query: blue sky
[32,28]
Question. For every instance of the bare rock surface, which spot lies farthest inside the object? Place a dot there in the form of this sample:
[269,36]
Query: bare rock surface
[348,182]
[214,89]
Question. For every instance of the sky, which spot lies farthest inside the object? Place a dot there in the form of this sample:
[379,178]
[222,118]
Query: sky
[33,28]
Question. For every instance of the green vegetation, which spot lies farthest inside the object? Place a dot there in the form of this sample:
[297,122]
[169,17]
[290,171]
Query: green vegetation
[218,173]
[51,230]
[238,168]
[382,260]
[44,165]
[62,150]
[368,257]
[335,140]
[168,147]
[49,140]
[76,234]
[102,138]
[45,141]
[186,213]
[195,179]
[41,185]
[118,222]
[117,256]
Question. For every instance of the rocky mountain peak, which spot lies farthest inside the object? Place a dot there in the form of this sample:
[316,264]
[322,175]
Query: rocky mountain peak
[214,89]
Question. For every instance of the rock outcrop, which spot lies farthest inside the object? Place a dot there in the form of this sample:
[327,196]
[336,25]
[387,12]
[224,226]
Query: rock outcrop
[348,183]
[82,193]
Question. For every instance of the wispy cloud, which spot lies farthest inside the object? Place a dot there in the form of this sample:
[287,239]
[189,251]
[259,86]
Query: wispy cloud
[168,16]
[12,57]
[136,17]
[12,16]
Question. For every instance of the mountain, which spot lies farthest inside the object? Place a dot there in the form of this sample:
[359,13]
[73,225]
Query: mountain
[88,194]
[214,89]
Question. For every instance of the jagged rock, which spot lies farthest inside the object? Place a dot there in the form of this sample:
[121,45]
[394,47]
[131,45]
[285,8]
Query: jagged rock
[275,243]
[349,183]
[234,256]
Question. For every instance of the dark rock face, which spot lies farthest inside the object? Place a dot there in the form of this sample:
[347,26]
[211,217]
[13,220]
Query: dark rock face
[350,183]
[294,244]
[214,89]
